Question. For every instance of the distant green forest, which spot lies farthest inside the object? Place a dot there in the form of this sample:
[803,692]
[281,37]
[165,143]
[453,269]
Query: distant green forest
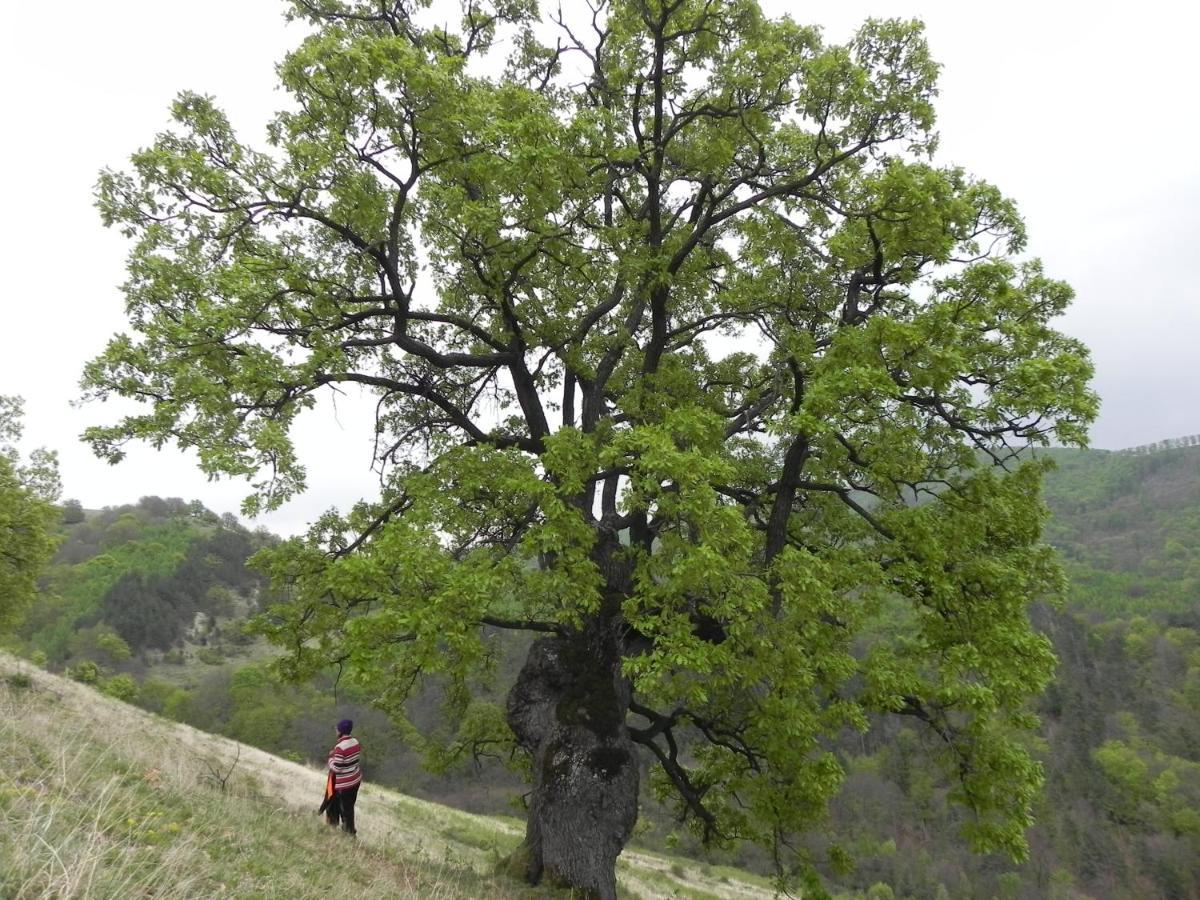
[149,601]
[150,574]
[1128,528]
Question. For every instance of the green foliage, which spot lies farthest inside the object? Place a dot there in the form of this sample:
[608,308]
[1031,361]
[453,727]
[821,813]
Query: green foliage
[122,686]
[110,644]
[154,695]
[27,515]
[563,448]
[72,512]
[86,672]
[99,643]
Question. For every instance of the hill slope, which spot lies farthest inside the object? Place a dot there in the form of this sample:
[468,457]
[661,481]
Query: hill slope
[1128,526]
[101,799]
[1121,728]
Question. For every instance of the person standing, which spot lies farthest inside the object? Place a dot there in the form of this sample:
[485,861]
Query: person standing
[345,775]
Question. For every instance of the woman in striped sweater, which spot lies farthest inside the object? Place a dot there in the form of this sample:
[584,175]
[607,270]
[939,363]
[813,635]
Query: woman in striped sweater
[345,775]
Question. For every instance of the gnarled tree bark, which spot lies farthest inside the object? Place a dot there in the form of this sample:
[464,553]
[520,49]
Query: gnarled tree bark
[568,711]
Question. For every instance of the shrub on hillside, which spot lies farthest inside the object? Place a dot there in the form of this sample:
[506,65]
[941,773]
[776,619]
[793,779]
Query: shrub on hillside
[86,672]
[122,686]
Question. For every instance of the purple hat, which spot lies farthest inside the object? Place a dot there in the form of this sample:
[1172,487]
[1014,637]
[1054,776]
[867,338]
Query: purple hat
[345,726]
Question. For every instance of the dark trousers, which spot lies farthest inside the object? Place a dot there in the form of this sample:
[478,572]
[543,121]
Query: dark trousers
[341,808]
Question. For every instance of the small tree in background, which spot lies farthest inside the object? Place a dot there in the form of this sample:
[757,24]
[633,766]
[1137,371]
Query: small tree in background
[72,512]
[666,328]
[28,515]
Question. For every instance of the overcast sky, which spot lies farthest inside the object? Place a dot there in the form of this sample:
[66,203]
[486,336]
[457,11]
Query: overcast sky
[1086,113]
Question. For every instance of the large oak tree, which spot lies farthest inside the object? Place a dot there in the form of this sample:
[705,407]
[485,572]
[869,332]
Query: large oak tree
[686,358]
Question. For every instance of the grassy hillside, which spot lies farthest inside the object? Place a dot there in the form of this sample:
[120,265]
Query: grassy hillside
[99,799]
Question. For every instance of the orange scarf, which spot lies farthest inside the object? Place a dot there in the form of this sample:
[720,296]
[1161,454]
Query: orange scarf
[328,794]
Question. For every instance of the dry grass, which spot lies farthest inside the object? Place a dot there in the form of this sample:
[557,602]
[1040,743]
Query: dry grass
[99,799]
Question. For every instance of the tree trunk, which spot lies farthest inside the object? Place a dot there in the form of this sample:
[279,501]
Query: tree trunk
[568,709]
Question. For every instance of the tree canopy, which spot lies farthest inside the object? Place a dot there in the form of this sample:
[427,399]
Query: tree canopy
[27,514]
[686,357]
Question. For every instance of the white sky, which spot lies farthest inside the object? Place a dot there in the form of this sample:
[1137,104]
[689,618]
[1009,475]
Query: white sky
[1086,113]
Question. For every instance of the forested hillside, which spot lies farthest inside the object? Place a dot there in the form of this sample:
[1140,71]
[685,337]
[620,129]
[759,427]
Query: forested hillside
[1128,526]
[150,601]
[1120,735]
[132,583]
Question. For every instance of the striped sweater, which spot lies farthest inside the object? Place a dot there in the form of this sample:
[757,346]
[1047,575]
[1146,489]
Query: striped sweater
[344,763]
